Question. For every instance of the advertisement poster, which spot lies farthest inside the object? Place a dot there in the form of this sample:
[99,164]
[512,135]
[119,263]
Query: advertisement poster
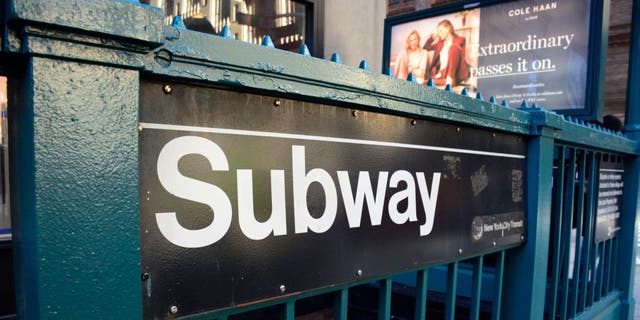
[523,50]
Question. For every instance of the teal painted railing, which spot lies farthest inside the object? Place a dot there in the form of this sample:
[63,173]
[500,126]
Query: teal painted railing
[582,271]
[75,69]
[424,298]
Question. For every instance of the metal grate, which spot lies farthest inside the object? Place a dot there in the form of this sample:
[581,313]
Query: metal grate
[470,289]
[581,269]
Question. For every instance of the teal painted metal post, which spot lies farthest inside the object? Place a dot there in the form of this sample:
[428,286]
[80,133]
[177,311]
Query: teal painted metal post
[421,294]
[565,238]
[496,303]
[556,231]
[573,302]
[288,310]
[628,235]
[476,291]
[632,116]
[526,266]
[384,299]
[341,304]
[590,221]
[631,198]
[74,154]
[452,288]
[75,192]
[599,58]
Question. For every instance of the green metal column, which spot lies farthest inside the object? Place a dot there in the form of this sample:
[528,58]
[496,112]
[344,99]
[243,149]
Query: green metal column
[74,154]
[628,236]
[526,266]
[598,55]
[631,199]
[75,189]
[632,116]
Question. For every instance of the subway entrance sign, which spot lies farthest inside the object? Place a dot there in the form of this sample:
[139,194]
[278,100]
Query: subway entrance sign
[245,197]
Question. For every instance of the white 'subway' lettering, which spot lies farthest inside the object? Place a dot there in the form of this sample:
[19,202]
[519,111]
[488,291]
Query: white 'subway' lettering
[353,201]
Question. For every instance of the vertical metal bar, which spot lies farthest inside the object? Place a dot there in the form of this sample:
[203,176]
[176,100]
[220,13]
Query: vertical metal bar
[476,288]
[589,227]
[593,281]
[556,229]
[497,286]
[341,304]
[526,268]
[598,56]
[631,199]
[452,286]
[384,299]
[602,256]
[288,310]
[632,114]
[567,216]
[421,294]
[579,240]
[606,267]
[601,267]
[596,256]
[613,275]
[607,274]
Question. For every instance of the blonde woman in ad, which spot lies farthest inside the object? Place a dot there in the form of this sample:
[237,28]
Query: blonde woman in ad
[412,59]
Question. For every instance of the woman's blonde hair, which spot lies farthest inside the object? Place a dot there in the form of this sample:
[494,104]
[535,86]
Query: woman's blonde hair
[406,41]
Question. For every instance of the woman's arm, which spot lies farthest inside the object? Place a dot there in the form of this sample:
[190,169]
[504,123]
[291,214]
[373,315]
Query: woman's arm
[421,69]
[432,43]
[401,71]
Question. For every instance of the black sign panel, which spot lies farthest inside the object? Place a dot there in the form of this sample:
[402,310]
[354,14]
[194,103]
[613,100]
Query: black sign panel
[610,189]
[247,197]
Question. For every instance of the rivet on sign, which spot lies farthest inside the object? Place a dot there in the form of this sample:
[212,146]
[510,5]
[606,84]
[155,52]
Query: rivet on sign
[413,122]
[283,288]
[493,135]
[359,273]
[355,113]
[458,129]
[277,103]
[521,237]
[167,88]
[494,243]
[173,309]
[145,276]
[460,251]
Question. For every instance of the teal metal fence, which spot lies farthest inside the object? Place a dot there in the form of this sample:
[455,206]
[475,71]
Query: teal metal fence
[75,70]
[582,270]
[470,288]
